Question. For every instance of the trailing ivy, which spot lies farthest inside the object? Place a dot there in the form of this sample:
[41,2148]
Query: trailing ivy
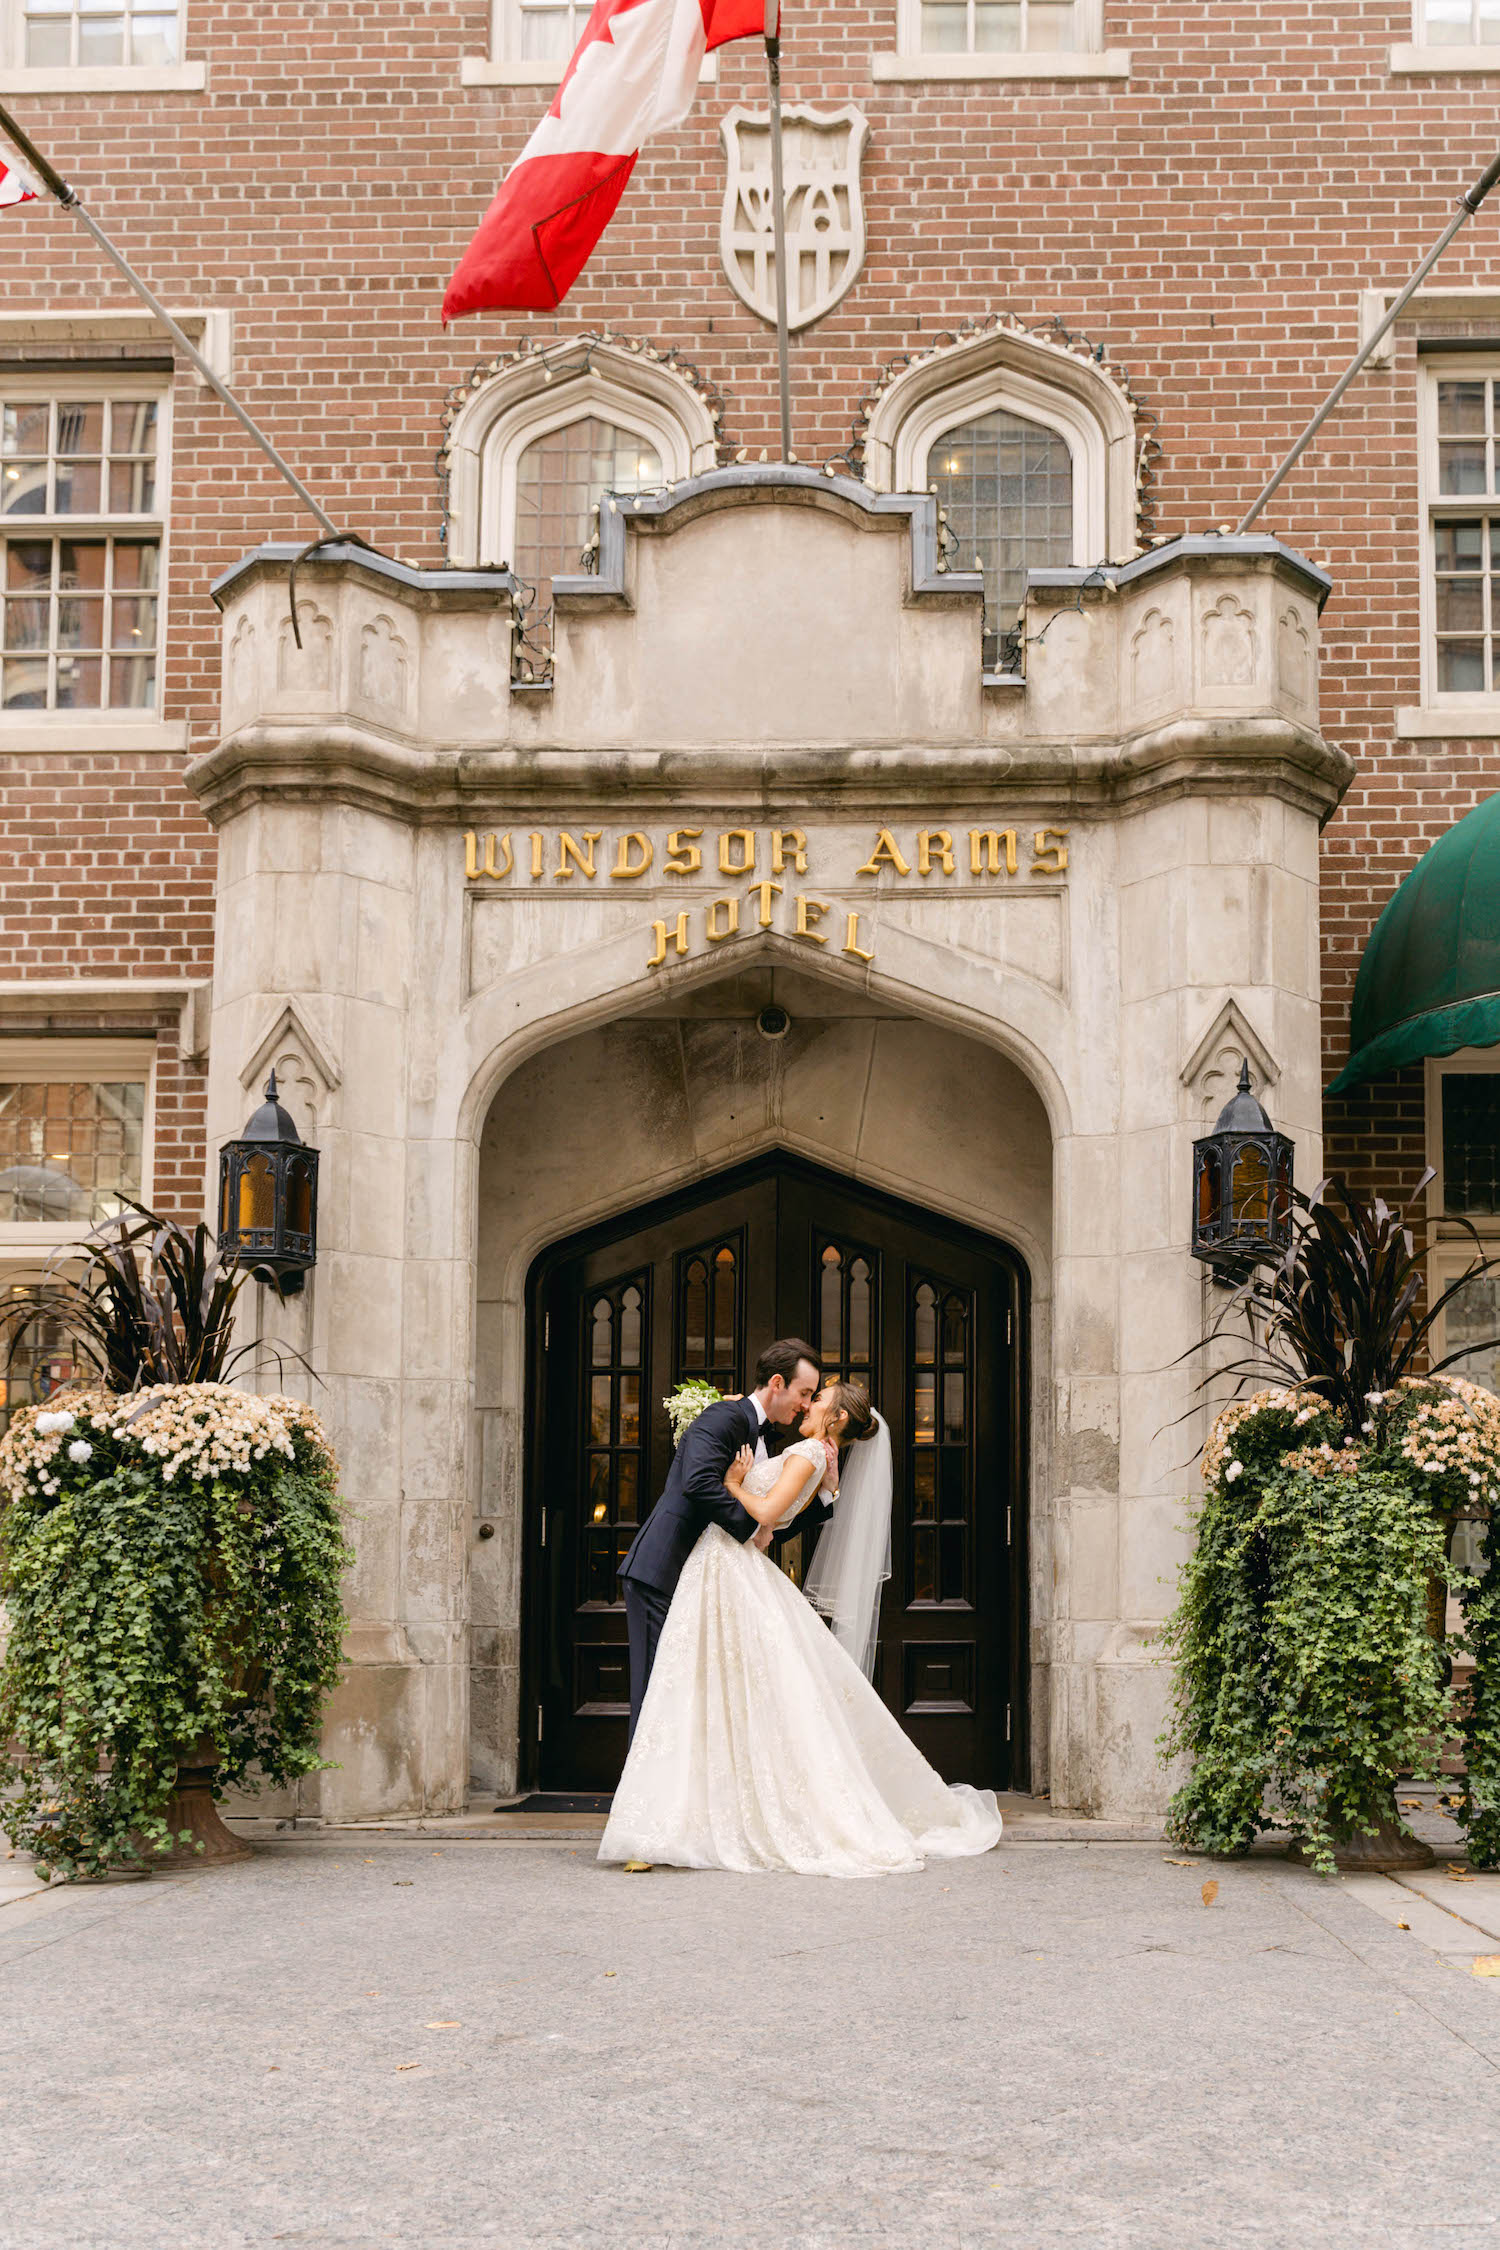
[1308,1673]
[170,1566]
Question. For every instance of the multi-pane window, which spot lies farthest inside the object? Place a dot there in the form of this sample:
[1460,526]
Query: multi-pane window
[541,30]
[615,1356]
[70,1149]
[1458,23]
[710,1315]
[1006,487]
[1002,27]
[98,34]
[1464,512]
[43,1358]
[560,479]
[941,1332]
[80,551]
[1471,1143]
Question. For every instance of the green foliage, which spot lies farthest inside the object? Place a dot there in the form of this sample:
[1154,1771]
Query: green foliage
[1340,1312]
[146,1302]
[1308,1670]
[180,1581]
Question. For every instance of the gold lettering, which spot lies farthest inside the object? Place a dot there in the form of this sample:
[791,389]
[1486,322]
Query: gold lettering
[765,892]
[1051,858]
[474,866]
[623,871]
[851,938]
[731,907]
[784,841]
[938,843]
[538,842]
[887,852]
[988,841]
[810,910]
[684,858]
[568,847]
[677,938]
[745,865]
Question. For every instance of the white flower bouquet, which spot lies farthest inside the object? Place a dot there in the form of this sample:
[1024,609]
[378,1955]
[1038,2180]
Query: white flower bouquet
[686,1403]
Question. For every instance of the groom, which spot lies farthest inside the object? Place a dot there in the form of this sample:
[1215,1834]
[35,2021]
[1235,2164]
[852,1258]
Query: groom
[786,1383]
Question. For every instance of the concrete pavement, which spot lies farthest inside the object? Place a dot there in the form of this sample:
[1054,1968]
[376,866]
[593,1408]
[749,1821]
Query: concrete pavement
[360,2041]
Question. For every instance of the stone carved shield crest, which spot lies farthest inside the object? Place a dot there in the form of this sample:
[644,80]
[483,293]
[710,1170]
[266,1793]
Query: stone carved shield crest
[825,213]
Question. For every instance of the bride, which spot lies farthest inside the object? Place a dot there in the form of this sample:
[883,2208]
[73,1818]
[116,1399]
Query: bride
[761,1743]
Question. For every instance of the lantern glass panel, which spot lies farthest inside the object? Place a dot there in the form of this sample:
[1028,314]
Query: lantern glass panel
[298,1197]
[257,1196]
[1250,1192]
[1210,1193]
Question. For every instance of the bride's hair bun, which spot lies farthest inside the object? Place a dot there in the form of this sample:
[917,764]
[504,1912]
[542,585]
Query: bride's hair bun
[854,1403]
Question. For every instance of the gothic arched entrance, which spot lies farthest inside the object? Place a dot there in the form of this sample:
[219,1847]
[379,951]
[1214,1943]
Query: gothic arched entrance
[929,1313]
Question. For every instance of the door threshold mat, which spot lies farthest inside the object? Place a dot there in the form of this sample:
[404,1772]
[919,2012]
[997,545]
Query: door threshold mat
[556,1801]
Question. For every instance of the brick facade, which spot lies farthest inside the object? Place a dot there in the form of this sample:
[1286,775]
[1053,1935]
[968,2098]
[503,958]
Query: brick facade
[1211,220]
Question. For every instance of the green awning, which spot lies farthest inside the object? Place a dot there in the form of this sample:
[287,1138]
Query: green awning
[1429,982]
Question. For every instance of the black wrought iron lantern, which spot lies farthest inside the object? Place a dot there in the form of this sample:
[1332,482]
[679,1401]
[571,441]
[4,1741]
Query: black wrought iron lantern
[268,1197]
[1242,1187]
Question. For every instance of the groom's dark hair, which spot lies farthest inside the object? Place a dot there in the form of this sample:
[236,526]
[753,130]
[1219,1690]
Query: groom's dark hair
[781,1359]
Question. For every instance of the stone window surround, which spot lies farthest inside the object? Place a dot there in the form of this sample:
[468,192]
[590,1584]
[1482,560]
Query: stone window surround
[1015,373]
[512,409]
[95,1056]
[111,78]
[1451,1246]
[1091,60]
[76,730]
[45,333]
[1421,58]
[501,68]
[1441,717]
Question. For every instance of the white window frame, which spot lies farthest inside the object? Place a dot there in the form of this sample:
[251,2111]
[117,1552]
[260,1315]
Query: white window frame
[505,66]
[19,77]
[126,726]
[1421,58]
[1459,714]
[1090,59]
[505,416]
[81,1061]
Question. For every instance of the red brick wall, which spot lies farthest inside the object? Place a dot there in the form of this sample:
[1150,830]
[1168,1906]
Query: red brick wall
[1212,220]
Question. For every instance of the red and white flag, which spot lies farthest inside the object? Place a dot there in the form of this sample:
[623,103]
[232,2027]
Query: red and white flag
[15,185]
[634,73]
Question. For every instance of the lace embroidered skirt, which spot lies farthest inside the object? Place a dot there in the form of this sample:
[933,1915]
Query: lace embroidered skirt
[761,1744]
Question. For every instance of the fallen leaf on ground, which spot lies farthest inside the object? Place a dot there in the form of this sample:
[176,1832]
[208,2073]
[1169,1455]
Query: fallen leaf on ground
[408,2066]
[443,2026]
[1459,1875]
[1178,1862]
[637,1866]
[1411,1804]
[403,1885]
[1488,1965]
[1403,1925]
[1210,1893]
[611,1972]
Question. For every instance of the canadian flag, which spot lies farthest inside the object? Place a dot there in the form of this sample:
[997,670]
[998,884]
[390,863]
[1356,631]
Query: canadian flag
[15,187]
[634,73]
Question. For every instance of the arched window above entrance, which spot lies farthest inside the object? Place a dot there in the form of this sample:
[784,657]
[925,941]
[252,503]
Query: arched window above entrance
[533,445]
[1031,448]
[1006,487]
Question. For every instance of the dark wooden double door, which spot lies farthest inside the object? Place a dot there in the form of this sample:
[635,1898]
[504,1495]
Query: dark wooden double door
[927,1314]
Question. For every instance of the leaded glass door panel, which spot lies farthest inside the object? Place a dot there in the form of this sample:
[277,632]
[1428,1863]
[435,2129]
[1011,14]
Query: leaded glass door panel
[922,1311]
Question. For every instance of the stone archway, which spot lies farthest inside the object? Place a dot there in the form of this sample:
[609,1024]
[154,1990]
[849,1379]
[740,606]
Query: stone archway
[619,1114]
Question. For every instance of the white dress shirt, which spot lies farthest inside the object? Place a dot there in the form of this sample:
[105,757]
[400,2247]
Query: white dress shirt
[761,1453]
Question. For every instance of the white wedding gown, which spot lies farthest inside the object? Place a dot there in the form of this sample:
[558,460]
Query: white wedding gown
[761,1744]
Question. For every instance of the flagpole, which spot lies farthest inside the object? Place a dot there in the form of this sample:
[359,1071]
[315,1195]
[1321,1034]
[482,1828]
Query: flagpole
[1468,204]
[70,201]
[778,219]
